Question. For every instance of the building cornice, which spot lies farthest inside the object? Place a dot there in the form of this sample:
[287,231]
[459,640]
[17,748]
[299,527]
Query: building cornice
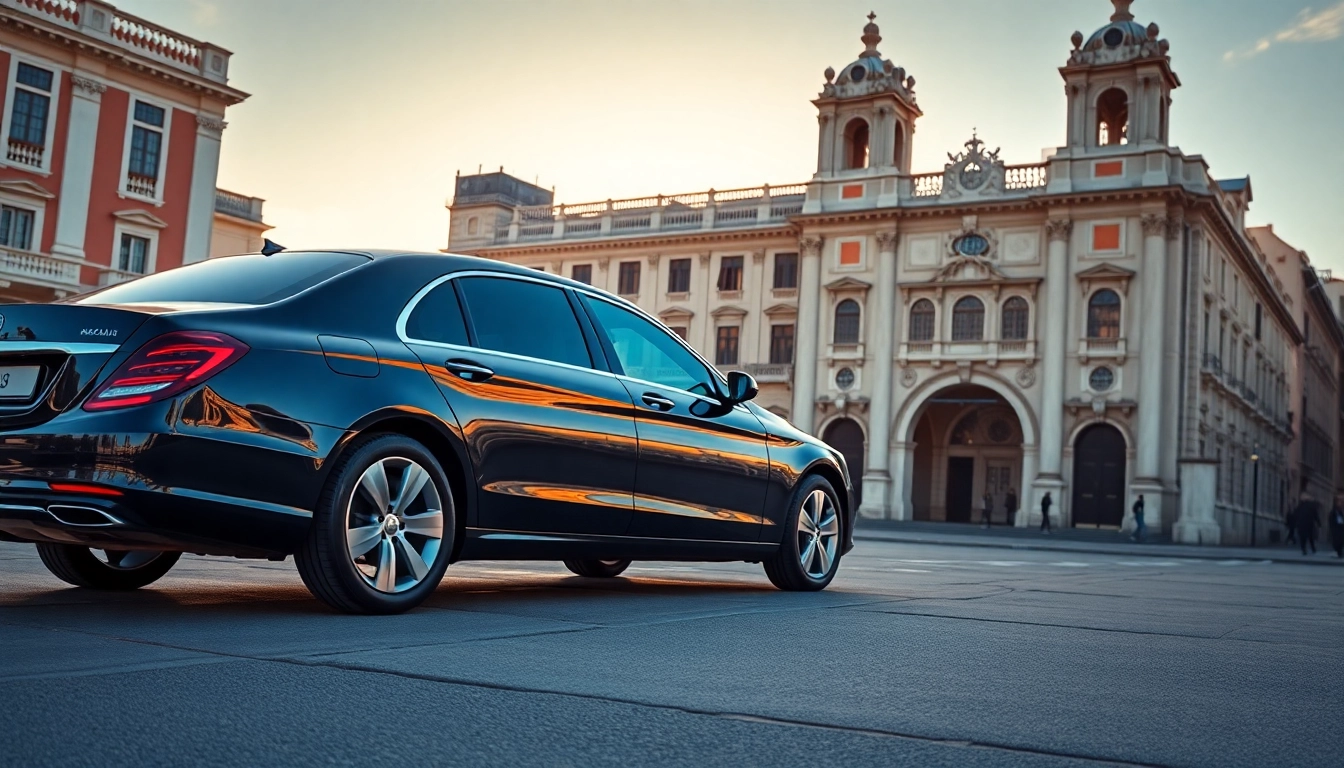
[695,237]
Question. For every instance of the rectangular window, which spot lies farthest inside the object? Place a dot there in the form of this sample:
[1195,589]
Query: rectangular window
[1258,312]
[781,344]
[134,255]
[786,270]
[627,282]
[730,273]
[32,107]
[146,147]
[16,228]
[679,276]
[582,273]
[725,346]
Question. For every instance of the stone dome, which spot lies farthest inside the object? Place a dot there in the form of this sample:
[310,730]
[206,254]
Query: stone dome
[1126,32]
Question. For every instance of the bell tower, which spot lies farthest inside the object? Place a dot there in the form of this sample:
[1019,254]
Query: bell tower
[866,115]
[1119,83]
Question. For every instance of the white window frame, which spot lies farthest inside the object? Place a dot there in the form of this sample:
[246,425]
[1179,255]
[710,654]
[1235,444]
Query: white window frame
[167,129]
[39,211]
[11,84]
[135,230]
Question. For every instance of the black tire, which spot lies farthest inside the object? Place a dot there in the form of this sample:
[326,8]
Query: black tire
[325,562]
[785,569]
[79,566]
[598,569]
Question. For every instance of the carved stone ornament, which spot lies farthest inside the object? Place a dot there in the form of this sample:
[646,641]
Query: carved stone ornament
[88,84]
[1114,44]
[211,123]
[886,241]
[974,170]
[758,256]
[704,259]
[1027,376]
[1155,225]
[908,377]
[1175,227]
[811,246]
[603,263]
[653,259]
[1059,229]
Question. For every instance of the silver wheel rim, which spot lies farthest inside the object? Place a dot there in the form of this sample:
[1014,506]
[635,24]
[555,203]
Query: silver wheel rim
[611,563]
[394,525]
[818,534]
[126,560]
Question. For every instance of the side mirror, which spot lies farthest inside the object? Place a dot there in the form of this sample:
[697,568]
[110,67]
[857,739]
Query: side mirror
[741,388]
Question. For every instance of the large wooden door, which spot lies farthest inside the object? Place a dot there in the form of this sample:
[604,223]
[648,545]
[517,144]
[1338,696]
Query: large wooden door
[1099,477]
[846,436]
[960,488]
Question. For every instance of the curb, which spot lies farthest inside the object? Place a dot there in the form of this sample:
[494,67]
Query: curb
[1091,549]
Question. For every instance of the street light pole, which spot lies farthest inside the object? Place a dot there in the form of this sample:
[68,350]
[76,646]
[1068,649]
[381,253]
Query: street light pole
[1255,489]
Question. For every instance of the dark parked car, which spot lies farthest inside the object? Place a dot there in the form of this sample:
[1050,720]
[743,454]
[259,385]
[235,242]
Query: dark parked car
[380,415]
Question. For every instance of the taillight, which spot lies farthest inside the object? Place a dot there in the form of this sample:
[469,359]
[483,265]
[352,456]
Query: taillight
[166,366]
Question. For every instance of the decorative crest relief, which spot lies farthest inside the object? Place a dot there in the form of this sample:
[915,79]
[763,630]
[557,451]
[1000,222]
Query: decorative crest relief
[976,171]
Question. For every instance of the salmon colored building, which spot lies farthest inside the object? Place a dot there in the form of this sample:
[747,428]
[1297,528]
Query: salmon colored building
[112,127]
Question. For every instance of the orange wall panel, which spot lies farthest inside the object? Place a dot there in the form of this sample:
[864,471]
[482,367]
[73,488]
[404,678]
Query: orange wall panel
[1105,237]
[850,253]
[1109,168]
[177,190]
[103,199]
[850,191]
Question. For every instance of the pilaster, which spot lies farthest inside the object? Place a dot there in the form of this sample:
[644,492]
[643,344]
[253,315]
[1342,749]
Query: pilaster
[882,334]
[201,203]
[1055,348]
[806,351]
[81,141]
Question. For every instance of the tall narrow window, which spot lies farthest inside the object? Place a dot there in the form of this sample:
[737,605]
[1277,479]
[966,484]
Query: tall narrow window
[582,273]
[627,279]
[786,270]
[968,319]
[847,322]
[679,276]
[142,171]
[134,256]
[781,344]
[1103,315]
[856,143]
[16,228]
[1015,316]
[730,273]
[1258,319]
[29,115]
[898,148]
[725,346]
[921,321]
[473,226]
[1112,118]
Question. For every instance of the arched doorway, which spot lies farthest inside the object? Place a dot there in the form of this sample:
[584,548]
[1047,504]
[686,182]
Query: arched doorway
[846,436]
[968,443]
[1099,477]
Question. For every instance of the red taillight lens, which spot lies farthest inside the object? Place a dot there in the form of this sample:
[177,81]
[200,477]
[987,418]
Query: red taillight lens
[92,490]
[166,366]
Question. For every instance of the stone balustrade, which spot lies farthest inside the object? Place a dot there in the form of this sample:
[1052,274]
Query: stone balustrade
[23,153]
[29,266]
[241,206]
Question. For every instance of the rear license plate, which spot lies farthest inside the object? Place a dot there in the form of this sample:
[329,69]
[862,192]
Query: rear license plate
[17,382]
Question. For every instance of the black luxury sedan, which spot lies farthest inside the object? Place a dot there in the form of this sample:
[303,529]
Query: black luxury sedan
[379,415]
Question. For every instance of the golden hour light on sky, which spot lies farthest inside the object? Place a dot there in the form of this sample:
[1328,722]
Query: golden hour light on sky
[361,113]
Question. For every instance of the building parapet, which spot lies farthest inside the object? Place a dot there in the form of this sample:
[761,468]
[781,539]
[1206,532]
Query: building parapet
[241,206]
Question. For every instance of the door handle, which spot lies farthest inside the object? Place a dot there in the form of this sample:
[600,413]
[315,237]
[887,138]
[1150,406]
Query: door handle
[468,370]
[657,402]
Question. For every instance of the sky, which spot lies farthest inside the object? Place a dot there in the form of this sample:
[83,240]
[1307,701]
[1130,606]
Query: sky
[362,112]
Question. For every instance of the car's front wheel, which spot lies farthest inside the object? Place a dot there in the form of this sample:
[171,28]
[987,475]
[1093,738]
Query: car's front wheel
[112,569]
[598,569]
[810,552]
[383,531]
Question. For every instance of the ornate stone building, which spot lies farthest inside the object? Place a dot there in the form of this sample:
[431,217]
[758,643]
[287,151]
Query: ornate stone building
[1095,326]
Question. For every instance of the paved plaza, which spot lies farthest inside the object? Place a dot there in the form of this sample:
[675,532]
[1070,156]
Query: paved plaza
[918,654]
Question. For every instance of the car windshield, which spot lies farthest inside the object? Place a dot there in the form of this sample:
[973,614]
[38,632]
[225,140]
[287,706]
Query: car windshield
[249,279]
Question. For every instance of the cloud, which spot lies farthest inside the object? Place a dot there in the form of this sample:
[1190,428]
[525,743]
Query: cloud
[1310,26]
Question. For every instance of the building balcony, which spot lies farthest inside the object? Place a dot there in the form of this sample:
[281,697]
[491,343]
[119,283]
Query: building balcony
[769,373]
[23,153]
[992,351]
[240,206]
[142,186]
[1089,349]
[18,266]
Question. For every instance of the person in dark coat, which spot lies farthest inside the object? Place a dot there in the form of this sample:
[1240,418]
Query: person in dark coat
[1010,504]
[1337,527]
[1307,518]
[986,509]
[1138,520]
[1045,512]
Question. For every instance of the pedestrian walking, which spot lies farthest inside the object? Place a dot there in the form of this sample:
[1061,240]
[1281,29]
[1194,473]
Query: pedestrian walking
[986,509]
[1010,504]
[1138,520]
[1337,527]
[1045,512]
[1307,518]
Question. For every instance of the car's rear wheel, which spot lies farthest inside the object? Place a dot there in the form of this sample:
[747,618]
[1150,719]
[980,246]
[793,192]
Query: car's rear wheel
[383,530]
[598,569]
[113,569]
[810,552]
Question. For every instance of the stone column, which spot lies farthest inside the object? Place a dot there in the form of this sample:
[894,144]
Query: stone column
[1147,464]
[805,349]
[81,139]
[902,462]
[882,326]
[1199,488]
[204,172]
[1054,352]
[706,290]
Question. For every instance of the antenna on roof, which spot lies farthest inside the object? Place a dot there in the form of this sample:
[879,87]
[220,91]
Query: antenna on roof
[269,248]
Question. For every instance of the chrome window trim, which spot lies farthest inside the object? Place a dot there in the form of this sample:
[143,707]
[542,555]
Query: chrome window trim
[71,348]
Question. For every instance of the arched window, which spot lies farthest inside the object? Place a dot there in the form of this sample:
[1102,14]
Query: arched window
[1016,313]
[473,226]
[1112,118]
[1103,315]
[968,319]
[898,148]
[921,321]
[847,322]
[856,143]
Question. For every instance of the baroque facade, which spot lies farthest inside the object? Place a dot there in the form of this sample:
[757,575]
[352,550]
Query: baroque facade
[1095,326]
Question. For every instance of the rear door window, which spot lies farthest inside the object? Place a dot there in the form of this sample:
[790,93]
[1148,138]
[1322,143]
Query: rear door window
[250,279]
[521,317]
[438,317]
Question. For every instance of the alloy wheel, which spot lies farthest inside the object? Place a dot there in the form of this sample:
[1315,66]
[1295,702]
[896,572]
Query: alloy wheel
[818,534]
[394,524]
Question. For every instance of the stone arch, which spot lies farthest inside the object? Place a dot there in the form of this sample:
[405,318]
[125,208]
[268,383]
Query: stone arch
[856,143]
[847,435]
[1112,117]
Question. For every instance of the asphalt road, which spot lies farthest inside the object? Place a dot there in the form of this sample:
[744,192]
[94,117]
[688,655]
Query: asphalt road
[917,655]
